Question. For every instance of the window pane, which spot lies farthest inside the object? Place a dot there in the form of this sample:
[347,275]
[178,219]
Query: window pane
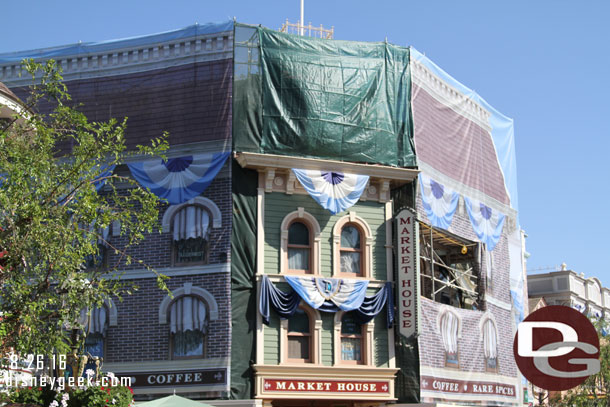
[351,348]
[298,347]
[190,250]
[492,363]
[350,262]
[350,237]
[298,234]
[188,343]
[298,259]
[350,326]
[299,322]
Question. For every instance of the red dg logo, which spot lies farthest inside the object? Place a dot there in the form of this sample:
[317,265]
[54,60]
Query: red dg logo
[557,348]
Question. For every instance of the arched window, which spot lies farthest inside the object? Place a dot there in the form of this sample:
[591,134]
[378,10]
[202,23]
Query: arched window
[353,348]
[449,325]
[490,345]
[299,337]
[188,320]
[300,243]
[299,247]
[190,232]
[352,245]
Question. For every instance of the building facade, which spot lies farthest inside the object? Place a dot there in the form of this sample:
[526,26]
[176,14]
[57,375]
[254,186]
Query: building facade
[340,229]
[179,82]
[568,288]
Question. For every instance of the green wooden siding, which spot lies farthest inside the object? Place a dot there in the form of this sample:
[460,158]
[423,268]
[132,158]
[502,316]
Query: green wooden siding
[272,340]
[328,323]
[380,341]
[278,205]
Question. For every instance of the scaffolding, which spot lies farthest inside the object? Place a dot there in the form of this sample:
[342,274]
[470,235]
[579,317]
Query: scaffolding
[449,268]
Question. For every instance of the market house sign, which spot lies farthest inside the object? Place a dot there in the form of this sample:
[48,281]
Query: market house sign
[449,386]
[407,289]
[178,378]
[326,386]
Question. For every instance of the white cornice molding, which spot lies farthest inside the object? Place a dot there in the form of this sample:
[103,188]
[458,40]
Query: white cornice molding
[119,61]
[398,176]
[449,96]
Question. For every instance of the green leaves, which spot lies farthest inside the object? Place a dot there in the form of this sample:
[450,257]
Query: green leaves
[52,217]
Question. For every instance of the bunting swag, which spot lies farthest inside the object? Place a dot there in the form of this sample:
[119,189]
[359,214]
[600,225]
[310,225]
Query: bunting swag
[286,304]
[439,201]
[346,294]
[486,222]
[334,191]
[179,179]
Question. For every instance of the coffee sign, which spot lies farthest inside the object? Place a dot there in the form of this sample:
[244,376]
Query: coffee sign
[178,378]
[406,229]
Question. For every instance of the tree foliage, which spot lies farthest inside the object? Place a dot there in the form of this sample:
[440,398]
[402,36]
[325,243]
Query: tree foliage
[52,215]
[595,391]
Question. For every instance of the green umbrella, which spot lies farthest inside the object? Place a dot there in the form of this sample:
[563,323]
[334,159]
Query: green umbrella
[173,401]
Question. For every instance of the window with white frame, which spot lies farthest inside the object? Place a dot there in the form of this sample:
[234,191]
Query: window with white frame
[352,247]
[299,247]
[449,326]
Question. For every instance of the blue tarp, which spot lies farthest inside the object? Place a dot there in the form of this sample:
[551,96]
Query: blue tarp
[84,48]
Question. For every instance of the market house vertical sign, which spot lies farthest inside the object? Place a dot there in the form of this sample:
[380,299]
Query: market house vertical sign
[406,236]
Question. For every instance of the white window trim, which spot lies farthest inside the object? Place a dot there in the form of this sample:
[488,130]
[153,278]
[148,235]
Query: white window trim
[188,289]
[300,214]
[200,201]
[316,338]
[368,342]
[112,312]
[367,251]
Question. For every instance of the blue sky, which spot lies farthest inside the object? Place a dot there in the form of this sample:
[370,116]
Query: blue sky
[543,63]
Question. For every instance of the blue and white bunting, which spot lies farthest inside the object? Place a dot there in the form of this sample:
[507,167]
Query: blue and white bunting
[179,179]
[439,201]
[347,294]
[334,191]
[486,222]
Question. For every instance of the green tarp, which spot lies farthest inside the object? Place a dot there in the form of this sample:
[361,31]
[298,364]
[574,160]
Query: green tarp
[318,98]
[243,281]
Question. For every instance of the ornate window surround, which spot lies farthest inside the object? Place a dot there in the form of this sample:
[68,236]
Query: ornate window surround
[197,201]
[366,241]
[314,228]
[367,339]
[188,289]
